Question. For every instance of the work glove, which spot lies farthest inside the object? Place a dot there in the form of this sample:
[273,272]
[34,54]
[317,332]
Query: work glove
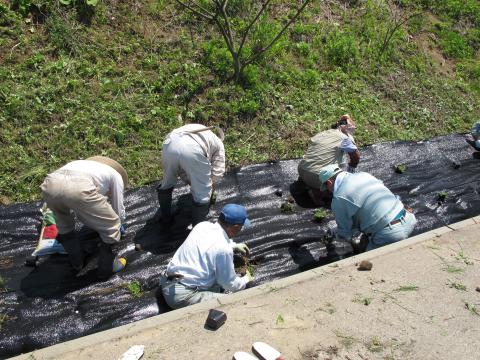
[351,169]
[241,248]
[249,275]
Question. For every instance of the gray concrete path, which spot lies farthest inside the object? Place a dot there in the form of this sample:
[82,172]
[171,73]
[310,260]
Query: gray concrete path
[419,301]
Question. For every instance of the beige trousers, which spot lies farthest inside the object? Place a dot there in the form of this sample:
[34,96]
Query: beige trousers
[65,191]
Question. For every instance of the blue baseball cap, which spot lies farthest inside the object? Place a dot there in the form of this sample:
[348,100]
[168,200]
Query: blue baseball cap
[236,215]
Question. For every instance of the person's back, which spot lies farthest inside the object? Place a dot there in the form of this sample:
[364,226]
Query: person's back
[366,200]
[323,149]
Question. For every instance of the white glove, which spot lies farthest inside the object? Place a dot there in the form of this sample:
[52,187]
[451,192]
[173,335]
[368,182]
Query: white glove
[241,248]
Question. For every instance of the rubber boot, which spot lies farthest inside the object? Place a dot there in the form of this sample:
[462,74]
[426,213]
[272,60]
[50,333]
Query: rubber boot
[165,202]
[108,262]
[74,249]
[199,212]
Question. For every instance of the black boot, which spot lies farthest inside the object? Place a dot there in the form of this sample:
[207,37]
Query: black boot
[108,263]
[165,202]
[199,212]
[74,249]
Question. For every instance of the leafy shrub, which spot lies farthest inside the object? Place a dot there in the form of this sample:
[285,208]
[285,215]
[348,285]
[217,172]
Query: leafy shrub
[250,76]
[9,22]
[218,58]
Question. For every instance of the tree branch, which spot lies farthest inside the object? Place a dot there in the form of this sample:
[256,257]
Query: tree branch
[257,55]
[247,30]
[202,12]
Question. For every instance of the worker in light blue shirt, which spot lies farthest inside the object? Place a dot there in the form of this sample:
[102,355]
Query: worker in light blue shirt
[362,203]
[202,268]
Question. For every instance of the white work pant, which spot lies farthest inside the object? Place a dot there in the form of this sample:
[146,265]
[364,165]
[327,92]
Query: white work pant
[65,191]
[183,157]
[178,295]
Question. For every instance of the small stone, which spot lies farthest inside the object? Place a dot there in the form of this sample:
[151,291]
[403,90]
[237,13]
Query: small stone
[365,265]
[478,288]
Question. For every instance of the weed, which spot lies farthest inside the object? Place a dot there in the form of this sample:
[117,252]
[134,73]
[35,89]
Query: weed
[280,320]
[452,269]
[457,286]
[472,308]
[134,288]
[464,258]
[346,340]
[362,300]
[329,309]
[407,288]
[375,345]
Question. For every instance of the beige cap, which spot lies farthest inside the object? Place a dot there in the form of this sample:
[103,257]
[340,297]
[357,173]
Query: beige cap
[113,164]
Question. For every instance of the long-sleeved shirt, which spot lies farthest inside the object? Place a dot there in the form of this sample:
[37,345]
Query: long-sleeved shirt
[205,259]
[108,181]
[211,145]
[361,201]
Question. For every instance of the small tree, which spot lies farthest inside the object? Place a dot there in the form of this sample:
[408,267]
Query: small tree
[216,11]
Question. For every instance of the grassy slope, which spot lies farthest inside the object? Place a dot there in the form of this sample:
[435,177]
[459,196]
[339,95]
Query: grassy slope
[117,86]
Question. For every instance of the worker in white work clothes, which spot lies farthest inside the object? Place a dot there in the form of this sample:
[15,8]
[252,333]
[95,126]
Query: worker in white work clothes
[197,156]
[363,203]
[326,148]
[92,190]
[202,268]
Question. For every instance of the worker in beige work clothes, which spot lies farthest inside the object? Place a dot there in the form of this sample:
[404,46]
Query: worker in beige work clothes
[92,189]
[327,148]
[196,155]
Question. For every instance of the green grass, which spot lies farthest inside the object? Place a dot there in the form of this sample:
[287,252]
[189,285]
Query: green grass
[116,82]
[453,269]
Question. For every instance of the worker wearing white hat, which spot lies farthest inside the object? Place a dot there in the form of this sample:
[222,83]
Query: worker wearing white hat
[93,190]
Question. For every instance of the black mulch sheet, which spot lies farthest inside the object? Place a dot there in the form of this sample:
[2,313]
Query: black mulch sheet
[46,305]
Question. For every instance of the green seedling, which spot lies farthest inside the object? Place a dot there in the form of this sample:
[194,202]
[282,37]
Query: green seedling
[407,288]
[319,215]
[134,288]
[442,196]
[362,300]
[287,208]
[472,308]
[464,258]
[457,286]
[400,168]
[280,320]
[251,270]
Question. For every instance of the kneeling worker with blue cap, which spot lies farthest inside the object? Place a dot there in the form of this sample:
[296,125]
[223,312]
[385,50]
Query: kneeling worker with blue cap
[361,202]
[202,267]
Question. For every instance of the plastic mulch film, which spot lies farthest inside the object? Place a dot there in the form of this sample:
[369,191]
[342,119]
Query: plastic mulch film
[46,305]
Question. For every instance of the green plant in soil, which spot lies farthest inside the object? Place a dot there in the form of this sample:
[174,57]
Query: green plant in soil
[400,168]
[319,215]
[453,269]
[287,207]
[134,288]
[280,320]
[442,196]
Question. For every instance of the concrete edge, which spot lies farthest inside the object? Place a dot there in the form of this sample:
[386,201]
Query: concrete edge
[56,350]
